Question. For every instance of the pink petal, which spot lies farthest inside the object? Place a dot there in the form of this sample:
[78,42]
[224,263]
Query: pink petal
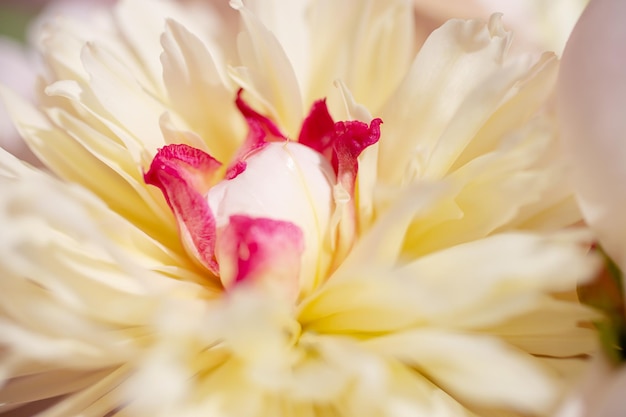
[261,250]
[351,138]
[286,181]
[261,131]
[340,143]
[318,130]
[184,176]
[592,102]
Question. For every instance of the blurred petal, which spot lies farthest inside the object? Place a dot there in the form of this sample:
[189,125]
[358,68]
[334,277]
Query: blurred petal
[18,72]
[592,99]
[488,372]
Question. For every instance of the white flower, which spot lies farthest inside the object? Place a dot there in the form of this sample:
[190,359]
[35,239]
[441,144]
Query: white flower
[222,241]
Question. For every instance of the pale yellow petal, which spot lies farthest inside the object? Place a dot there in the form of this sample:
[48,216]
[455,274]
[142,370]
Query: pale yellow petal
[79,282]
[458,79]
[198,93]
[470,286]
[482,371]
[553,328]
[266,72]
[493,190]
[377,43]
[78,149]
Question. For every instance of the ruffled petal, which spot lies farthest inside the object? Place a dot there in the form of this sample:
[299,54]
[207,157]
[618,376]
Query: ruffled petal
[80,284]
[341,143]
[261,130]
[184,175]
[432,119]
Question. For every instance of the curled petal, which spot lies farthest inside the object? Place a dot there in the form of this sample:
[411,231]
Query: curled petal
[261,250]
[351,138]
[591,99]
[340,143]
[261,130]
[184,175]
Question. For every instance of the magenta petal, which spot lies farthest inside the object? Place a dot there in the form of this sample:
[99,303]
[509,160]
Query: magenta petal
[184,176]
[351,138]
[318,130]
[261,250]
[249,113]
[261,130]
[340,143]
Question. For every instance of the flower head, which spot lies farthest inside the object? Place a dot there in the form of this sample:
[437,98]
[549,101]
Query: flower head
[302,216]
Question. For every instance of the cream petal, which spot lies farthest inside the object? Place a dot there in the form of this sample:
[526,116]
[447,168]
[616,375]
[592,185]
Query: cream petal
[197,92]
[480,370]
[138,113]
[358,42]
[60,42]
[383,242]
[480,290]
[266,72]
[552,329]
[96,400]
[80,148]
[76,278]
[292,33]
[494,189]
[591,99]
[532,93]
[443,116]
[142,35]
[462,287]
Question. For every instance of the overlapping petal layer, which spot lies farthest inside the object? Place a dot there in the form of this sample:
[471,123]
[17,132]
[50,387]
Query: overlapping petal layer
[439,257]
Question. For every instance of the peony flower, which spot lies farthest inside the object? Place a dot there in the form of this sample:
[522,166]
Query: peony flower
[304,216]
[591,95]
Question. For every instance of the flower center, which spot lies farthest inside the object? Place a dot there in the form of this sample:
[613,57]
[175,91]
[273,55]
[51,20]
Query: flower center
[272,218]
[283,181]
